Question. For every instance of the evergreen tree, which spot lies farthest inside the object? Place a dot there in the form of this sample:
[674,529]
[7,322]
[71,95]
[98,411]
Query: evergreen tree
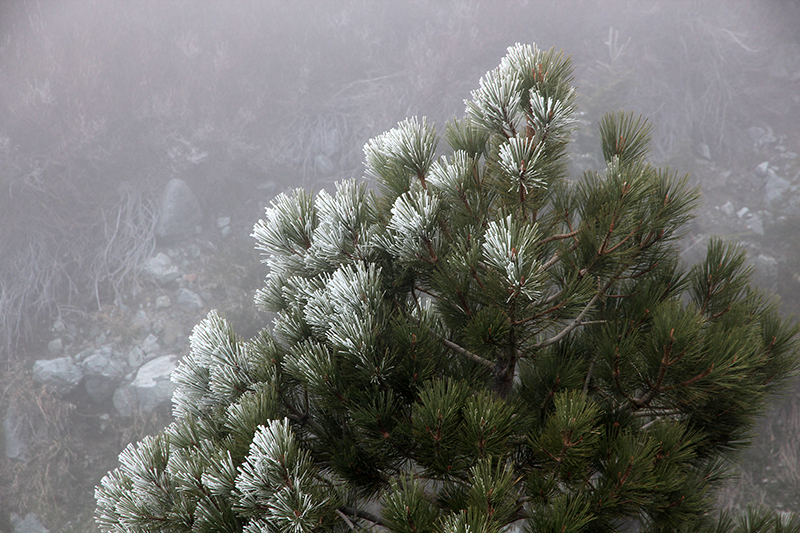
[482,342]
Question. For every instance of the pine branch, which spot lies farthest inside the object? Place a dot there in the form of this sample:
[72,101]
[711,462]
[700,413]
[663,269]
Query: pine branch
[656,412]
[575,323]
[579,319]
[556,256]
[550,298]
[588,377]
[347,521]
[466,353]
[559,237]
[302,418]
[358,513]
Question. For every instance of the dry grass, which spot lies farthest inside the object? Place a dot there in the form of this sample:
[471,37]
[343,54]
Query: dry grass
[69,448]
[44,475]
[288,95]
[769,472]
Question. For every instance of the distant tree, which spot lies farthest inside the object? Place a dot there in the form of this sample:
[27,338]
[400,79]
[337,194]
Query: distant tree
[483,343]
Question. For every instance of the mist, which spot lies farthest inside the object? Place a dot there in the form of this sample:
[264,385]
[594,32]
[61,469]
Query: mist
[106,104]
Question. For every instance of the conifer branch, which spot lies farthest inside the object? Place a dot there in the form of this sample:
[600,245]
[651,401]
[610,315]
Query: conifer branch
[550,298]
[302,418]
[559,237]
[575,323]
[588,377]
[550,262]
[466,353]
[346,520]
[656,412]
[557,255]
[359,513]
[579,319]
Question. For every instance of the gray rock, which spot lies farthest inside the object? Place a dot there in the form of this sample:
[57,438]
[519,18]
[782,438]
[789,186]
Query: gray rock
[188,298]
[103,372]
[80,356]
[173,330]
[161,268]
[15,435]
[761,136]
[225,232]
[55,346]
[741,213]
[29,524]
[150,345]
[766,268]
[755,225]
[696,249]
[135,357]
[268,186]
[223,222]
[774,187]
[762,168]
[331,142]
[163,301]
[728,209]
[61,374]
[141,321]
[180,211]
[324,165]
[150,390]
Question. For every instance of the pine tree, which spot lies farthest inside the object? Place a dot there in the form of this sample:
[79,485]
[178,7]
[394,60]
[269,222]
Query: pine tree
[476,341]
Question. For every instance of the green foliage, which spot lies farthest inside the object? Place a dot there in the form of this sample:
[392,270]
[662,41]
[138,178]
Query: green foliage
[483,344]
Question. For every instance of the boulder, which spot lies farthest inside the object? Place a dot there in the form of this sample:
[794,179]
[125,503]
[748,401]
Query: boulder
[103,372]
[150,390]
[761,136]
[55,346]
[695,249]
[774,187]
[762,169]
[29,524]
[161,268]
[16,435]
[324,165]
[728,209]
[766,269]
[189,299]
[60,374]
[180,211]
[150,346]
[755,225]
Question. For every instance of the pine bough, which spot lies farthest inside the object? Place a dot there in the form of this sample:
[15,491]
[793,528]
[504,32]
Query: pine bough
[481,343]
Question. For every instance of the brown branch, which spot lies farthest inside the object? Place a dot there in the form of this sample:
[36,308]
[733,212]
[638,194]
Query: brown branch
[358,513]
[558,237]
[588,377]
[550,262]
[550,298]
[656,412]
[347,521]
[466,353]
[620,243]
[556,256]
[690,381]
[575,323]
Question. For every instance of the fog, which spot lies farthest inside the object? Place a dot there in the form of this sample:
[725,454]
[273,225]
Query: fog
[103,102]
